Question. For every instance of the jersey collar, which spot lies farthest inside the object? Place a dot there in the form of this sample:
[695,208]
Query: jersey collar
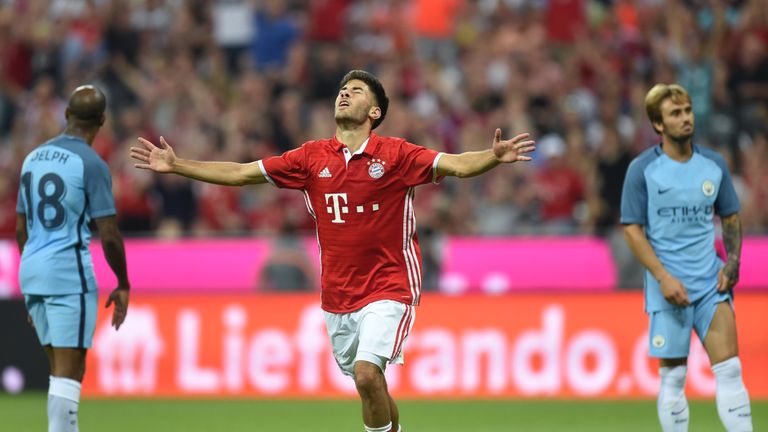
[368,148]
[660,151]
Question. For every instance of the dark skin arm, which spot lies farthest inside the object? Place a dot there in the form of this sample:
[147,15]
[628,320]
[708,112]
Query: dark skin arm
[21,231]
[114,252]
[729,274]
[21,240]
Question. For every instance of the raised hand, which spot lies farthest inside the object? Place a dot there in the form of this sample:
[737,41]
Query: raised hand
[151,157]
[512,150]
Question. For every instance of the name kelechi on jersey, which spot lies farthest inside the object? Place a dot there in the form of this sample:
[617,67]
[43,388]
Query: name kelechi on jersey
[337,206]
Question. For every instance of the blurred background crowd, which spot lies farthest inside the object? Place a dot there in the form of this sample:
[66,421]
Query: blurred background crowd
[241,80]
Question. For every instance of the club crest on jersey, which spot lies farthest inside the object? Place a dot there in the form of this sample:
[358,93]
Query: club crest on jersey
[658,341]
[376,168]
[708,188]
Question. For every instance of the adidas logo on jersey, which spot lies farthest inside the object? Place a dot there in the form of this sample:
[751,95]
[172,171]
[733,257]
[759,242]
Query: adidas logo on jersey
[325,173]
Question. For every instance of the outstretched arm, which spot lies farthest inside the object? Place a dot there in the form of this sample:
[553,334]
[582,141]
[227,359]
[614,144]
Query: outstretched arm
[163,160]
[729,274]
[671,288]
[471,164]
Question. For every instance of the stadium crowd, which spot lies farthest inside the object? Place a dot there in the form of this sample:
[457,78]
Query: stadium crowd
[241,80]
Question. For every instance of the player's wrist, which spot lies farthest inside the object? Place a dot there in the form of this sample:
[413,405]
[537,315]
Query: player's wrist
[662,276]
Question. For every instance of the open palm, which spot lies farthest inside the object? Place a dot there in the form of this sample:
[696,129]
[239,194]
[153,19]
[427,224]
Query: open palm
[512,150]
[151,157]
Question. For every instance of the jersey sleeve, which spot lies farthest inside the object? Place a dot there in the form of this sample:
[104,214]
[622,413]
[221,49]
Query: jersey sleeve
[21,206]
[98,188]
[727,201]
[288,170]
[418,165]
[634,196]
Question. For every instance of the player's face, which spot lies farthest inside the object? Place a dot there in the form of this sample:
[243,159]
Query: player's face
[353,103]
[677,119]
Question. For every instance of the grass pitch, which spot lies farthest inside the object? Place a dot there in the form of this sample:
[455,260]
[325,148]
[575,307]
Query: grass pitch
[26,412]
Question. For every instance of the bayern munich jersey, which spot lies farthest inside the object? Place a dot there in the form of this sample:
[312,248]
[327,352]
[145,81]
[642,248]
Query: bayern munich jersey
[64,184]
[363,210]
[676,203]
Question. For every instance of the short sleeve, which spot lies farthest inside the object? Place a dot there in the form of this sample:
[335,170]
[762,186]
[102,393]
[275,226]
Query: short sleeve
[418,165]
[727,201]
[634,196]
[98,188]
[21,203]
[288,170]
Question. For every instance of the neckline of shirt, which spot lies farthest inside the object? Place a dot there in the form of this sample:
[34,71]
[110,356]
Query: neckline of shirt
[348,155]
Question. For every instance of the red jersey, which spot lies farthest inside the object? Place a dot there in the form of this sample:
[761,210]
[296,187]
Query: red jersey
[363,210]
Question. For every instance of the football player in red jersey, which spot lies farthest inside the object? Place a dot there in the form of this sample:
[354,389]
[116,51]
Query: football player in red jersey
[359,188]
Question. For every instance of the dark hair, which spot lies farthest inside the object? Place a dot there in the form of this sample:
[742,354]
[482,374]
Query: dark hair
[382,101]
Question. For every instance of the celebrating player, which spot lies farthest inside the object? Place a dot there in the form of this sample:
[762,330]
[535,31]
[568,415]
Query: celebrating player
[359,188]
[671,194]
[65,185]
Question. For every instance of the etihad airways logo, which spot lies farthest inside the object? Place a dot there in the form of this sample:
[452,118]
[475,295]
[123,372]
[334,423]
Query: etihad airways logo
[682,214]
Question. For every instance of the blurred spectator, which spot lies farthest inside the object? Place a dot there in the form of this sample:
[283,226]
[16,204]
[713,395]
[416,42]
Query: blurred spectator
[612,162]
[559,188]
[276,32]
[7,207]
[287,266]
[244,79]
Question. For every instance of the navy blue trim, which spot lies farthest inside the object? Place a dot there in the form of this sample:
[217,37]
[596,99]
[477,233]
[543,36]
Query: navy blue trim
[81,329]
[79,246]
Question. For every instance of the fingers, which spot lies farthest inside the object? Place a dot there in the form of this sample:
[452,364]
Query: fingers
[525,147]
[724,285]
[721,280]
[522,136]
[497,135]
[140,154]
[117,319]
[147,144]
[118,315]
[109,301]
[163,143]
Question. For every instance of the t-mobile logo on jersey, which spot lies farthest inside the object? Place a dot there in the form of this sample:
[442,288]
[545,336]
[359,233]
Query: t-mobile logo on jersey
[337,205]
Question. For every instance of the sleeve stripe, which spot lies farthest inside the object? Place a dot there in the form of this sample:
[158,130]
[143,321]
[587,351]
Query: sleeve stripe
[264,172]
[435,178]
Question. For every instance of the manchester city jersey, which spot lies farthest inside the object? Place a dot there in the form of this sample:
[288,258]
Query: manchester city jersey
[676,203]
[64,185]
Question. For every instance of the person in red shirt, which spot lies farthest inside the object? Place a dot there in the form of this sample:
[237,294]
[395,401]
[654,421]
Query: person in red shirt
[359,188]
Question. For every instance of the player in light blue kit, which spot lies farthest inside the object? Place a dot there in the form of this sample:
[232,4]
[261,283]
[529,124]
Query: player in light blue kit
[64,185]
[671,195]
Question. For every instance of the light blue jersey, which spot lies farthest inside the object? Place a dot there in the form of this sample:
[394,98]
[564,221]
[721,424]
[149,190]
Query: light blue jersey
[64,185]
[676,203]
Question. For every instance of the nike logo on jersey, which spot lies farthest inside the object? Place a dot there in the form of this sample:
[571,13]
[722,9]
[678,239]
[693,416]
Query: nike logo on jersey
[663,191]
[325,173]
[737,408]
[674,413]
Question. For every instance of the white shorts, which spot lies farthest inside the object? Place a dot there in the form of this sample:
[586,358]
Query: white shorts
[376,334]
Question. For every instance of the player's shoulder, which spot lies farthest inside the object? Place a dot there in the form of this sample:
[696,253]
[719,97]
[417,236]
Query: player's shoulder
[317,146]
[392,147]
[711,154]
[645,158]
